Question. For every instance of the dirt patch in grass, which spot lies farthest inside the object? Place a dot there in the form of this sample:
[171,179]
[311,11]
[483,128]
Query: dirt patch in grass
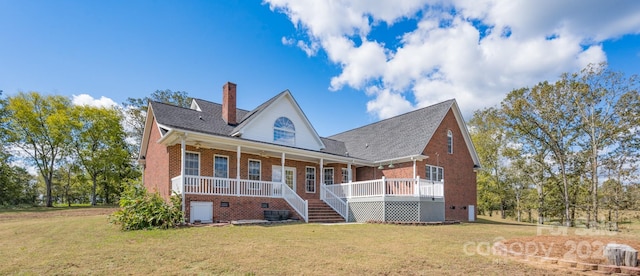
[56,212]
[584,249]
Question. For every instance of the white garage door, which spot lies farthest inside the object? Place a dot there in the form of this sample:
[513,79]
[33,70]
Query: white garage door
[201,210]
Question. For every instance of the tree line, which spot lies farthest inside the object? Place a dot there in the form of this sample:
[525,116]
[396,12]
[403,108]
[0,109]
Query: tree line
[563,150]
[80,154]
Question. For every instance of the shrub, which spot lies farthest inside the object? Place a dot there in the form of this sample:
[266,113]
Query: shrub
[140,209]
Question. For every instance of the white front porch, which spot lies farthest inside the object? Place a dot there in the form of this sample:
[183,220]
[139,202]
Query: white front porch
[204,185]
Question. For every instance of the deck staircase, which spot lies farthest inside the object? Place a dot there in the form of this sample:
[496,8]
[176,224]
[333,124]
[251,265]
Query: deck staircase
[320,212]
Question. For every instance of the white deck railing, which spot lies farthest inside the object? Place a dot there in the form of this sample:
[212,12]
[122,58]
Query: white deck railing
[205,185]
[413,187]
[337,196]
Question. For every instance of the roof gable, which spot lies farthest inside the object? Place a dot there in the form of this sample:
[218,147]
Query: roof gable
[259,123]
[401,136]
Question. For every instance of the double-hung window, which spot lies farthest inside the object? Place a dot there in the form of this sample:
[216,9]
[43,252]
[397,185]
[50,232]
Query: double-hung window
[254,174]
[345,175]
[434,173]
[328,176]
[191,167]
[191,163]
[310,180]
[221,170]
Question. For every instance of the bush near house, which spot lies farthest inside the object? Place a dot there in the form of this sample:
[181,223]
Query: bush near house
[140,209]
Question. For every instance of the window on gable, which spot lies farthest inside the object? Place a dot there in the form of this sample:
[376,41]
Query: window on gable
[191,163]
[310,180]
[328,176]
[284,131]
[449,142]
[434,173]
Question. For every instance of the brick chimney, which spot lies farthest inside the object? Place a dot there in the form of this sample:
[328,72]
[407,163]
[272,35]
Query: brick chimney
[229,103]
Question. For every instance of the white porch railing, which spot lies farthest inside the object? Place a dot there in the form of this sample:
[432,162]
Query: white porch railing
[336,201]
[337,196]
[204,185]
[300,205]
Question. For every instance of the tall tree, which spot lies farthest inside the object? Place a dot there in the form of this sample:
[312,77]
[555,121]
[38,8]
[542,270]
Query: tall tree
[40,126]
[135,110]
[98,141]
[546,113]
[601,122]
[489,137]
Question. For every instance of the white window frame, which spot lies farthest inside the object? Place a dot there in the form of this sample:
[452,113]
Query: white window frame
[345,175]
[429,169]
[251,185]
[329,174]
[184,163]
[306,180]
[449,141]
[220,183]
[285,131]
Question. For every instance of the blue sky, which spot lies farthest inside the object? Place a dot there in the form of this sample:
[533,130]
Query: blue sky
[347,63]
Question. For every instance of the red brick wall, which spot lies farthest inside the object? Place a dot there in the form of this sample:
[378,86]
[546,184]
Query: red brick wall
[239,207]
[266,164]
[459,176]
[156,174]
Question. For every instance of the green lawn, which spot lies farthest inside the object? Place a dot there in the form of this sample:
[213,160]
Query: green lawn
[81,241]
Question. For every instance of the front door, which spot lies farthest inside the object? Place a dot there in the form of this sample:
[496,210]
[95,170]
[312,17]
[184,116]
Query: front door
[289,176]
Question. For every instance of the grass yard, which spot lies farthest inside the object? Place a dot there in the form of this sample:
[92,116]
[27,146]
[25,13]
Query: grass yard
[81,241]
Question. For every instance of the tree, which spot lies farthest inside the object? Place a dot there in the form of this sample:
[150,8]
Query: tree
[488,135]
[601,122]
[135,109]
[546,113]
[98,142]
[40,126]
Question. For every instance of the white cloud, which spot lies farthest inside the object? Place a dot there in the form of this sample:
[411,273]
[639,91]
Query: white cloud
[85,99]
[473,51]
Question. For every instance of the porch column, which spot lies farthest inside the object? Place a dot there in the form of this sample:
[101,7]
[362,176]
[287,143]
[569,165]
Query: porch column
[321,171]
[349,172]
[238,162]
[238,155]
[183,151]
[414,167]
[282,176]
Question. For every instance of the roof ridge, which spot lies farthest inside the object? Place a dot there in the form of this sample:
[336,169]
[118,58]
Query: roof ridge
[171,105]
[394,117]
[199,99]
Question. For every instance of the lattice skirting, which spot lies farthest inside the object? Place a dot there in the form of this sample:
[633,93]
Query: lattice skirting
[396,211]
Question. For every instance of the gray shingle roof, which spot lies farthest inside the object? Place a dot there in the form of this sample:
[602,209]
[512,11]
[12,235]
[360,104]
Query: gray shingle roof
[209,120]
[400,136]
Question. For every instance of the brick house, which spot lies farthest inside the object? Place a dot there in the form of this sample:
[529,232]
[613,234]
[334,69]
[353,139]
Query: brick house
[232,164]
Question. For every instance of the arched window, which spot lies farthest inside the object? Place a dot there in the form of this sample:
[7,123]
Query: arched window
[449,142]
[284,131]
